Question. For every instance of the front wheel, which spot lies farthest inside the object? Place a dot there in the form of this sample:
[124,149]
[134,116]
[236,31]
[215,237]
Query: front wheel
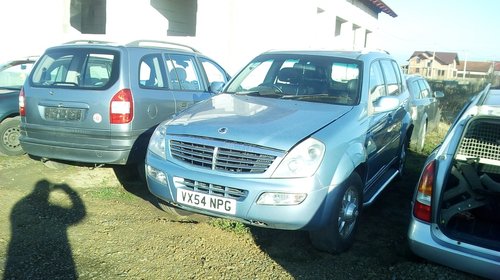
[9,137]
[338,235]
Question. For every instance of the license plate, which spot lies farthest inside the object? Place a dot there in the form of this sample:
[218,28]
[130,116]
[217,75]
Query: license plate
[205,201]
[63,114]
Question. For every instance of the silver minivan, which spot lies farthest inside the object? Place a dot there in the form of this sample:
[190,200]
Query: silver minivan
[98,102]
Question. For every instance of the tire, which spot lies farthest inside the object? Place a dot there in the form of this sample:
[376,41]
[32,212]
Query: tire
[339,234]
[9,137]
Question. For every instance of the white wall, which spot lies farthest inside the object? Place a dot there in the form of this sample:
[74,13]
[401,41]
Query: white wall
[231,32]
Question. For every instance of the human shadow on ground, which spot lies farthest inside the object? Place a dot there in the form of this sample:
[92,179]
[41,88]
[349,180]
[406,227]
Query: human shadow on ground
[39,247]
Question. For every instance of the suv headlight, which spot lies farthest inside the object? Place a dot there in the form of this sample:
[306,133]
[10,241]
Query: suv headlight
[157,141]
[301,161]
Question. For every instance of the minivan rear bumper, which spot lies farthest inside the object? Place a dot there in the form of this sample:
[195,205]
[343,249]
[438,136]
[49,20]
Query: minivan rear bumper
[425,242]
[121,148]
[86,155]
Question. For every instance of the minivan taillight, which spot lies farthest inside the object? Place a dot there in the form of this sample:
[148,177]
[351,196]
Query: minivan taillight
[22,109]
[422,208]
[121,107]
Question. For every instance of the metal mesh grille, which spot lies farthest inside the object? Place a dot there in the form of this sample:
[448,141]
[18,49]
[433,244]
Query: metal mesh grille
[221,159]
[482,141]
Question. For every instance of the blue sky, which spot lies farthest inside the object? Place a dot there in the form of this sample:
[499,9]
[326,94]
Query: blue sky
[467,27]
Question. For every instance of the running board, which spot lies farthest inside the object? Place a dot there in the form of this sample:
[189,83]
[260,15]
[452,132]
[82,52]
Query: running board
[387,182]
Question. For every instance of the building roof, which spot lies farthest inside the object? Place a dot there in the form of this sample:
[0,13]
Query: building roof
[444,58]
[380,7]
[475,66]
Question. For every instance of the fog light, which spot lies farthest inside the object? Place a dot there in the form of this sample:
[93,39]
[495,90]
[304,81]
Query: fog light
[156,174]
[281,198]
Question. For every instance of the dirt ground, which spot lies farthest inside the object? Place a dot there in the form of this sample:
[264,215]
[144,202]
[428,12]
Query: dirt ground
[82,223]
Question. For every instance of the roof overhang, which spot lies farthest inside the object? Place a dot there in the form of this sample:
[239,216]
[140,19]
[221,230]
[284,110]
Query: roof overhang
[383,7]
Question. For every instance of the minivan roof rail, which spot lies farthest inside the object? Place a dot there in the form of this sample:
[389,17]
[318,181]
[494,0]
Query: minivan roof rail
[158,43]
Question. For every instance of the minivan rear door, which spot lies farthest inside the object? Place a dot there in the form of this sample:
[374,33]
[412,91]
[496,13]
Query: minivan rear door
[67,95]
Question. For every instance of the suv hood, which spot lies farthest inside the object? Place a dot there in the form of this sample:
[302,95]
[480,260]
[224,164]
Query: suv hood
[268,122]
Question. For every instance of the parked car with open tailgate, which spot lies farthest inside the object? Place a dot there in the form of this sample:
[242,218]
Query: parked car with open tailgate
[12,76]
[298,140]
[455,219]
[98,102]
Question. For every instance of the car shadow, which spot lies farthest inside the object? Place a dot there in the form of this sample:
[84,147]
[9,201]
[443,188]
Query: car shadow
[39,247]
[380,244]
[135,183]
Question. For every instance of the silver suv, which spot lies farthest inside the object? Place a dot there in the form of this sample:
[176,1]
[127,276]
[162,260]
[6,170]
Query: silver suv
[98,102]
[297,140]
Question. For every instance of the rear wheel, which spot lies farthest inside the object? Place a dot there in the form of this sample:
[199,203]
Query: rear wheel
[338,235]
[9,137]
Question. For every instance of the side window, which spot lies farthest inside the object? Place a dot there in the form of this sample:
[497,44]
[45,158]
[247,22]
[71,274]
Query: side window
[393,83]
[424,88]
[399,76]
[150,72]
[415,89]
[377,85]
[183,74]
[214,72]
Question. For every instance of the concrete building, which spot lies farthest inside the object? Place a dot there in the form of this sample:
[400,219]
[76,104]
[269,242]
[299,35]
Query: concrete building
[230,31]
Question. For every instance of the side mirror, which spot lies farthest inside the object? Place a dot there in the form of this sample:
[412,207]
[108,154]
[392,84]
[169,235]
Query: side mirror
[438,94]
[216,87]
[386,103]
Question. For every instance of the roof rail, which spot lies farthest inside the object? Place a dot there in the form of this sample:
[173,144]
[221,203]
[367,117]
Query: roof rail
[86,42]
[157,43]
[483,94]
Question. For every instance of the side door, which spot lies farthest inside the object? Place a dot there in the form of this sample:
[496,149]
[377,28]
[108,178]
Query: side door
[385,127]
[376,139]
[186,80]
[395,87]
[431,104]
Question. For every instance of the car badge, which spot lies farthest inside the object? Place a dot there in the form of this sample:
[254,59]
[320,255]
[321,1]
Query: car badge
[51,92]
[223,130]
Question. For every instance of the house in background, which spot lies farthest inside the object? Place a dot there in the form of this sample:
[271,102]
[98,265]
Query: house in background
[434,65]
[475,70]
[231,32]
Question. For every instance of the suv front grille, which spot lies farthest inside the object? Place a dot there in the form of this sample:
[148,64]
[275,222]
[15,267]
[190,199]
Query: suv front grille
[221,159]
[211,189]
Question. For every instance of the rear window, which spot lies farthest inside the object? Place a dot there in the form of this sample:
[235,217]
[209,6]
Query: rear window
[82,68]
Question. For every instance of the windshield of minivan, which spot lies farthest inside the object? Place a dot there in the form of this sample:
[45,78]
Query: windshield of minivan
[321,79]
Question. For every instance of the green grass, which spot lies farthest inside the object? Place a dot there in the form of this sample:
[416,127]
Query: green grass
[228,225]
[111,193]
[434,138]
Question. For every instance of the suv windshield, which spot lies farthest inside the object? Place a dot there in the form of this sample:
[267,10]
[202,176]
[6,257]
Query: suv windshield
[302,77]
[82,69]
